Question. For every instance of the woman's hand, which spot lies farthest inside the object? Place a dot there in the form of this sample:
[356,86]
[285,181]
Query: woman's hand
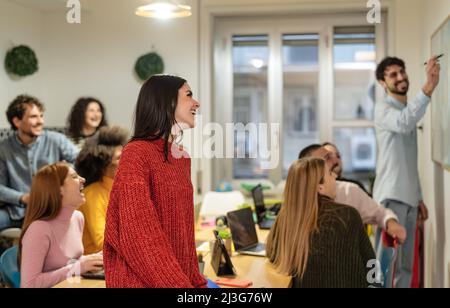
[91,263]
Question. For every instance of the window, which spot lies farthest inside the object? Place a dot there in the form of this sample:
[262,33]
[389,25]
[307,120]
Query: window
[354,66]
[357,147]
[300,94]
[354,73]
[315,76]
[250,59]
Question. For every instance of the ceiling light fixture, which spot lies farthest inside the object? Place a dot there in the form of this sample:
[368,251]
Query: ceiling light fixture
[164,10]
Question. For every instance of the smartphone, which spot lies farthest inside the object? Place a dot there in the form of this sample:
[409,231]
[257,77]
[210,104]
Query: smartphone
[230,282]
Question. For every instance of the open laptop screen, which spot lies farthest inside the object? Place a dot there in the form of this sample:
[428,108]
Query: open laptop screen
[258,199]
[242,226]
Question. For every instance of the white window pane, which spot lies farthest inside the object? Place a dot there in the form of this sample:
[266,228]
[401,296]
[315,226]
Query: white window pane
[354,73]
[250,58]
[357,147]
[300,95]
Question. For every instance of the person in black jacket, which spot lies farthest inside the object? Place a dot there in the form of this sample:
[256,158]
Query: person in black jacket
[317,241]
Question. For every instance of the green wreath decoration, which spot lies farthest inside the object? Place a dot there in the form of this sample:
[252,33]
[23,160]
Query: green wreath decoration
[21,61]
[149,65]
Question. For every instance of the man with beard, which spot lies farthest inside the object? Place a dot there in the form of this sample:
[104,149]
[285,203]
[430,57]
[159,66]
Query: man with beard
[397,184]
[332,148]
[23,154]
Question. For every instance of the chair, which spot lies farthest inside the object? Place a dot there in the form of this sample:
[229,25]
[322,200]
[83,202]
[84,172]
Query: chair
[8,267]
[387,255]
[11,234]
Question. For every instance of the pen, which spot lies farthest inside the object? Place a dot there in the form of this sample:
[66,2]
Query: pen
[437,58]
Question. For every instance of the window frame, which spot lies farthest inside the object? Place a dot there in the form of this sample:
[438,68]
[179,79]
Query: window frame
[275,28]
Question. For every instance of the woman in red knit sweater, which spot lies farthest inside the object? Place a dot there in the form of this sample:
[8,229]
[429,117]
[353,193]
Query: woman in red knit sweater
[149,236]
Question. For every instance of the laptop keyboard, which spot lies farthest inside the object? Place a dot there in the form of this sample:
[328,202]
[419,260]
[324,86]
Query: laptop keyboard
[257,248]
[266,224]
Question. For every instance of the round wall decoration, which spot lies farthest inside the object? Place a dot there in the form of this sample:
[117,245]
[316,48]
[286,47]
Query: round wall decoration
[149,65]
[21,61]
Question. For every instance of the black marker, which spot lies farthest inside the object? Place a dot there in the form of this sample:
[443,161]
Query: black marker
[437,58]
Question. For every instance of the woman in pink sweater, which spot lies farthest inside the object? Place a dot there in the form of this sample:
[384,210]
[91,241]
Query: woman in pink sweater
[51,248]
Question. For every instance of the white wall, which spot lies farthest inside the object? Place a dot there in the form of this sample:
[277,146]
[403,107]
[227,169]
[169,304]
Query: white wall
[19,25]
[97,57]
[435,181]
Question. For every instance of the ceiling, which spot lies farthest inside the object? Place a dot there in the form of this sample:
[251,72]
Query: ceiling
[42,5]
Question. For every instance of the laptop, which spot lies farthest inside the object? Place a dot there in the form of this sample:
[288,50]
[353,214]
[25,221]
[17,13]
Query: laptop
[99,275]
[264,223]
[243,233]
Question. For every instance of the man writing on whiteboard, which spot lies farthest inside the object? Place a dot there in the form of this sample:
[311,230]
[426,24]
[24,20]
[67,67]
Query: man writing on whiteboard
[397,185]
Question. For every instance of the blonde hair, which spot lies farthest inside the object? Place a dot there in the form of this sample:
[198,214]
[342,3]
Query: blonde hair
[288,244]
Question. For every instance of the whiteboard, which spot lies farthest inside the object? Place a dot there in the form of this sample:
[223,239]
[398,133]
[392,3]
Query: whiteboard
[440,107]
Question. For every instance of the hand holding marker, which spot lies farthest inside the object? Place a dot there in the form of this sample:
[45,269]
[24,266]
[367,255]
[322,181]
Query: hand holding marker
[437,58]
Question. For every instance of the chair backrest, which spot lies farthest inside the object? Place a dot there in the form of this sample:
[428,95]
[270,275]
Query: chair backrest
[11,233]
[220,203]
[387,255]
[8,267]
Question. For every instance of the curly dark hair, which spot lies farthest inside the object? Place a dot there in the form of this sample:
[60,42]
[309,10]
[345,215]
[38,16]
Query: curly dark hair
[18,106]
[98,152]
[388,61]
[75,120]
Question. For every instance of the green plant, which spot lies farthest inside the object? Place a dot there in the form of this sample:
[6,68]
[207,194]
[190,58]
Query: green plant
[149,65]
[224,234]
[21,61]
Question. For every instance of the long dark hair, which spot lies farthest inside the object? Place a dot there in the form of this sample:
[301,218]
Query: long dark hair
[75,120]
[98,153]
[155,109]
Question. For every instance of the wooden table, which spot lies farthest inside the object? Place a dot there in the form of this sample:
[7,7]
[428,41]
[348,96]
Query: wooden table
[82,284]
[256,269]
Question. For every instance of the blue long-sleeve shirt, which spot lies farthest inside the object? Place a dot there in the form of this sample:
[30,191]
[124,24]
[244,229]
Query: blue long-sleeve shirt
[19,163]
[397,175]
